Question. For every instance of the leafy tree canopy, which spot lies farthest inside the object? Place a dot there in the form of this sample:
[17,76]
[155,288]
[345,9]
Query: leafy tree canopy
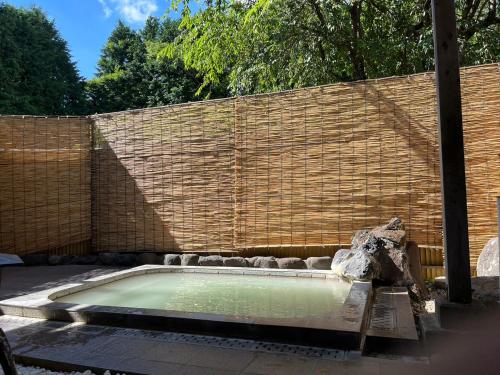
[37,75]
[268,45]
[130,74]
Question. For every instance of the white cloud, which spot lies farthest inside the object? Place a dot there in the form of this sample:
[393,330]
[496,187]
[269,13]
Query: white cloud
[130,10]
[105,8]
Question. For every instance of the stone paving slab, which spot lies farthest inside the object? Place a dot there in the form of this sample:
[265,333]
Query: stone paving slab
[149,352]
[17,281]
[391,326]
[391,315]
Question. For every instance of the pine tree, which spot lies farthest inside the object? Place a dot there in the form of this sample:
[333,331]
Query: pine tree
[37,75]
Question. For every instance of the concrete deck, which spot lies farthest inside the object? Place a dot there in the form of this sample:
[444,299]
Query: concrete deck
[153,352]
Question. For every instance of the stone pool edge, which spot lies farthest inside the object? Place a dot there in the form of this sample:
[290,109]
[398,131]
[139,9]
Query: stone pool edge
[343,331]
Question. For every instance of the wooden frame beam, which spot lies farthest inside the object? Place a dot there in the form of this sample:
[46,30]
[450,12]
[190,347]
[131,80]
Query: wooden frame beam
[451,149]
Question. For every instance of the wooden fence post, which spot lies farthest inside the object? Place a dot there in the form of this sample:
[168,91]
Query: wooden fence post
[451,148]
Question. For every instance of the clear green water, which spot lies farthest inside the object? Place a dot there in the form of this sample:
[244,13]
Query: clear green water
[237,295]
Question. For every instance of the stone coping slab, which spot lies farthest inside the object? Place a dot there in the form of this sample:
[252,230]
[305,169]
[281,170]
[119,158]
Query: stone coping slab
[343,330]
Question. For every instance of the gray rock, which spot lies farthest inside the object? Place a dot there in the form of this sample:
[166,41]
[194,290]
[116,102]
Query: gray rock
[56,260]
[211,260]
[235,262]
[486,288]
[415,268]
[488,261]
[149,258]
[251,261]
[266,262]
[394,224]
[356,265]
[359,238]
[339,257]
[172,260]
[35,259]
[363,240]
[379,253]
[108,259]
[319,263]
[291,263]
[389,236]
[394,266]
[126,260]
[189,259]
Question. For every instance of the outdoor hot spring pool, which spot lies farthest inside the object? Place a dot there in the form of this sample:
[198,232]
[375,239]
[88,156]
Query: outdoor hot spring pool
[294,306]
[234,295]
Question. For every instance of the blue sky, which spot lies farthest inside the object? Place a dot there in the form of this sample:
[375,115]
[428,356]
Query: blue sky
[87,24]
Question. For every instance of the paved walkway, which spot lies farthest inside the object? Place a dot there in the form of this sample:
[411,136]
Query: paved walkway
[151,352]
[24,280]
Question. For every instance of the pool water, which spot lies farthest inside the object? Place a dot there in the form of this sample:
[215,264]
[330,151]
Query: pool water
[235,295]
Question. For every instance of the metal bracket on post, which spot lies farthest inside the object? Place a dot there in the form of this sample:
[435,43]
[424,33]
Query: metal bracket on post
[451,148]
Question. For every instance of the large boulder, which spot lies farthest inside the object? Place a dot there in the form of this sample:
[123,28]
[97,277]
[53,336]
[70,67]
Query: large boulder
[340,256]
[488,261]
[394,266]
[211,260]
[172,260]
[266,262]
[319,263]
[379,253]
[355,265]
[189,259]
[291,263]
[235,262]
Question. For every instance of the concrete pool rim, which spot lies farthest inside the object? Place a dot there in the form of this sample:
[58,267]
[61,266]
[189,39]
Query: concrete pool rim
[345,330]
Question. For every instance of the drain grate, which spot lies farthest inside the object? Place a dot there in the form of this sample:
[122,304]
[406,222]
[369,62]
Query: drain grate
[19,325]
[232,343]
[383,318]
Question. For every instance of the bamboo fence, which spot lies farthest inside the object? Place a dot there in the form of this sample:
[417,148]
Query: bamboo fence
[290,173]
[163,178]
[44,183]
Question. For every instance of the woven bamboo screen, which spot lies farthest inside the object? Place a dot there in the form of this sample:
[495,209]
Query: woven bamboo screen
[481,110]
[315,165]
[319,164]
[164,178]
[44,183]
[291,173]
[299,170]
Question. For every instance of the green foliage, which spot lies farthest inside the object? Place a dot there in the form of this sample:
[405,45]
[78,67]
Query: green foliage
[230,47]
[132,75]
[121,77]
[268,45]
[37,75]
